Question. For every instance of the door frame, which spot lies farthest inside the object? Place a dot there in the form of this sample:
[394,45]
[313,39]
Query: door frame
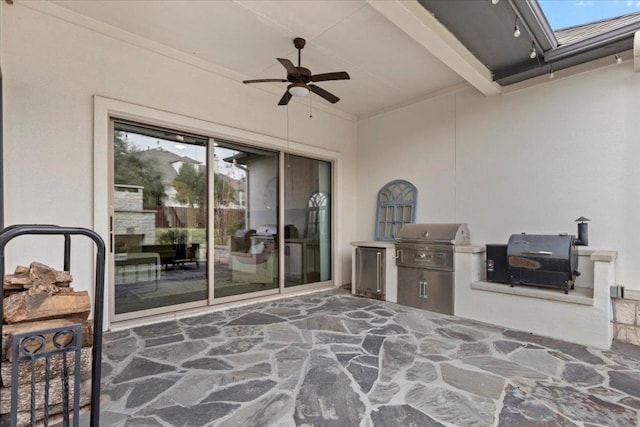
[106,109]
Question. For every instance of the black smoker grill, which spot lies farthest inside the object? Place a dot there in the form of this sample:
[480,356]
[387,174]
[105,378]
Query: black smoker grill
[539,259]
[425,255]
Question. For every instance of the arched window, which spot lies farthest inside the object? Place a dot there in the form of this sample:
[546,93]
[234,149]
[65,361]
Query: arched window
[396,207]
[317,211]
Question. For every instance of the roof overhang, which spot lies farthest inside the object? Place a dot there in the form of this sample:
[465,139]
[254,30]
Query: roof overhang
[487,31]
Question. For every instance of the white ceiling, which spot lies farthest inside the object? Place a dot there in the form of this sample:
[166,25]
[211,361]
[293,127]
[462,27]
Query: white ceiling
[387,66]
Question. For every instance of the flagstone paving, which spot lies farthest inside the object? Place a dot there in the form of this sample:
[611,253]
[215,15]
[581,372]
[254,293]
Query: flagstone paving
[331,359]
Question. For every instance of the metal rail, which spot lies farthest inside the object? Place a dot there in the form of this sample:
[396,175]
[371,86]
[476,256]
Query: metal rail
[11,232]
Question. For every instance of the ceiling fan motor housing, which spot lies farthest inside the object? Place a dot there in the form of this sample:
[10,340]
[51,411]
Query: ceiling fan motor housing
[303,76]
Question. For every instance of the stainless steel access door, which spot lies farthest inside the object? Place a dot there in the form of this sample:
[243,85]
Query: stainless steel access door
[431,290]
[370,271]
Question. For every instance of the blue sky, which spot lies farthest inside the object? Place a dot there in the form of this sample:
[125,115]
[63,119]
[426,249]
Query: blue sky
[567,13]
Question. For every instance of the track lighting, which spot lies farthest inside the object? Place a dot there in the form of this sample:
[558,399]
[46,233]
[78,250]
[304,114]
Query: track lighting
[494,1]
[516,29]
[533,53]
[551,72]
[618,59]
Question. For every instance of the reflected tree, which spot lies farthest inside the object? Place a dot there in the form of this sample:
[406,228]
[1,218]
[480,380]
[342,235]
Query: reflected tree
[191,185]
[133,169]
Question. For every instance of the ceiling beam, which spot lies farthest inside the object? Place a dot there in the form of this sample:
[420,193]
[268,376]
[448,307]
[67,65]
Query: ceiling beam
[424,28]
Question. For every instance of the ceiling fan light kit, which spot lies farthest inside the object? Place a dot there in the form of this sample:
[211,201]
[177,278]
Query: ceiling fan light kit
[298,89]
[300,77]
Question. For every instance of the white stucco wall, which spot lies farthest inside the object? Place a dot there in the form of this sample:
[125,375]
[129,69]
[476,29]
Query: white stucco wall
[54,65]
[529,161]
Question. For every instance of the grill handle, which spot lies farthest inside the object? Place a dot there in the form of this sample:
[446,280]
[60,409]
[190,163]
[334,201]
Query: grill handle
[427,241]
[423,289]
[399,254]
[537,253]
[379,271]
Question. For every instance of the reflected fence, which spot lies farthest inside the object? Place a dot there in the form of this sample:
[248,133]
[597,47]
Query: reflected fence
[227,220]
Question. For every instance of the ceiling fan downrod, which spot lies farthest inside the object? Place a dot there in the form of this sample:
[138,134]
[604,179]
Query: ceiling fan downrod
[299,43]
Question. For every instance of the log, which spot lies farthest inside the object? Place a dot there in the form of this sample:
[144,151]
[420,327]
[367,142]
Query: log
[55,415]
[27,306]
[21,269]
[8,331]
[55,364]
[16,282]
[41,274]
[12,292]
[55,395]
[36,274]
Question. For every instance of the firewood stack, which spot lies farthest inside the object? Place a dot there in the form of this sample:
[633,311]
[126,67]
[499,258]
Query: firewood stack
[36,298]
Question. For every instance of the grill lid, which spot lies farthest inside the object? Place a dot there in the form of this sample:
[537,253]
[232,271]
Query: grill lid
[267,230]
[451,234]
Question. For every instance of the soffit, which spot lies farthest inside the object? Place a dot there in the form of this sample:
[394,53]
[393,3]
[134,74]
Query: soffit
[387,67]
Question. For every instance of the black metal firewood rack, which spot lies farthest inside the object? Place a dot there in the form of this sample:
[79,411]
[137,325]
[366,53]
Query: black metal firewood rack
[66,340]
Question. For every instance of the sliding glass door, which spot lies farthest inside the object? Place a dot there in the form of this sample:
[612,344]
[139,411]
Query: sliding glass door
[159,219]
[246,219]
[307,213]
[163,184]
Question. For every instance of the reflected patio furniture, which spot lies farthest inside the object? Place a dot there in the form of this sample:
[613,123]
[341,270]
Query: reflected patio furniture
[247,267]
[187,254]
[137,267]
[302,260]
[171,254]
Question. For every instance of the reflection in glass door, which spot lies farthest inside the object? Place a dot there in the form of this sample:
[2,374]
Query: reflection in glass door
[159,224]
[245,219]
[307,230]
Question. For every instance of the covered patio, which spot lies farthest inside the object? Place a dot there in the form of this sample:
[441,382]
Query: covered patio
[499,120]
[330,358]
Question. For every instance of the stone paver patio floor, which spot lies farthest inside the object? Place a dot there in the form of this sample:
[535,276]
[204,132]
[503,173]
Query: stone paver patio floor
[331,359]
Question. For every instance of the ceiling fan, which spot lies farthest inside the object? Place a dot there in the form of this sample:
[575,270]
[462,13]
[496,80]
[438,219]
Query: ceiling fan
[299,79]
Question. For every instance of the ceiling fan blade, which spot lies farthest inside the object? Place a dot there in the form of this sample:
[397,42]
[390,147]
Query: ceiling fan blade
[323,93]
[264,81]
[291,69]
[285,98]
[340,75]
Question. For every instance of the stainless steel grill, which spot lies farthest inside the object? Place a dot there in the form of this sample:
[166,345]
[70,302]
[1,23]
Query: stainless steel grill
[425,264]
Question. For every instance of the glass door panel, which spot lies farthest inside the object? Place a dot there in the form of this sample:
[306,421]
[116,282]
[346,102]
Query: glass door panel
[307,231]
[246,219]
[159,218]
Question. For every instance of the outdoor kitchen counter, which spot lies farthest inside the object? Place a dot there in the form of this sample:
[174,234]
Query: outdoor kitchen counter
[583,316]
[471,249]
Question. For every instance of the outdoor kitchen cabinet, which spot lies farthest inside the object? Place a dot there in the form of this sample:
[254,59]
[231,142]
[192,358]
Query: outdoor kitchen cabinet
[386,262]
[427,289]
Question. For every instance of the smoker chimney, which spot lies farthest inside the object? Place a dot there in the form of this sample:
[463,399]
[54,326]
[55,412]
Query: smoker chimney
[583,231]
